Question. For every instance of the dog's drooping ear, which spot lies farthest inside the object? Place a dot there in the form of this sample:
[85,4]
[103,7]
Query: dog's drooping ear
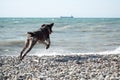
[43,25]
[31,33]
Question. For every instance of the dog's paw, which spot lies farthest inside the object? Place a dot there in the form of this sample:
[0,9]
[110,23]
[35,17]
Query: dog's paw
[47,46]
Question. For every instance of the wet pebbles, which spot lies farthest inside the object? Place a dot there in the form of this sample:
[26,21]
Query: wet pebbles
[70,67]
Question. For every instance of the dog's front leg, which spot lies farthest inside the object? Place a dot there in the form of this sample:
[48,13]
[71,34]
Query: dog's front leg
[47,42]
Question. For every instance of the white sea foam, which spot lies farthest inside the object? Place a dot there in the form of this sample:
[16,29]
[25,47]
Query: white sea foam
[54,52]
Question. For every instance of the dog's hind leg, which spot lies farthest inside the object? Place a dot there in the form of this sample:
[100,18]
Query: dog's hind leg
[25,47]
[31,43]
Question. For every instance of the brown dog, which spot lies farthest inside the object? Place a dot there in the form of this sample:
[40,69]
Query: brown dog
[41,35]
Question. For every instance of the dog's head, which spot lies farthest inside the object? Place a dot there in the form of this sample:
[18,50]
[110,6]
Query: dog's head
[48,27]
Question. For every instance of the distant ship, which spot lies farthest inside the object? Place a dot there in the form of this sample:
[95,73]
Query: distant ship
[66,17]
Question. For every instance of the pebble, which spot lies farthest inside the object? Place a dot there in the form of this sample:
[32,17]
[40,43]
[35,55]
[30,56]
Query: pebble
[70,67]
[1,76]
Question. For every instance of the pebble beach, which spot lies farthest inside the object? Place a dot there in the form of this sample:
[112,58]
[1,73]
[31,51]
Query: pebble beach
[59,67]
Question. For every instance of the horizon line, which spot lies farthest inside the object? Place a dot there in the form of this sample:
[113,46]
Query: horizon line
[51,17]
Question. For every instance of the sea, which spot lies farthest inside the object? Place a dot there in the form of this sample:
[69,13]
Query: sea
[70,36]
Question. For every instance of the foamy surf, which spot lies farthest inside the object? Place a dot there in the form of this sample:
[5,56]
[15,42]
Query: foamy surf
[55,52]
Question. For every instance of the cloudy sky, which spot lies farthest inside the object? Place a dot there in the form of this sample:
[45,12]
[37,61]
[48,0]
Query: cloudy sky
[57,8]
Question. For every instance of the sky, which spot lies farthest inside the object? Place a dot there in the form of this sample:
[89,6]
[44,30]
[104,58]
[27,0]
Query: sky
[57,8]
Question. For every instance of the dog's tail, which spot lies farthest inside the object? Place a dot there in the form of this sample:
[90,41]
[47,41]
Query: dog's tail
[31,33]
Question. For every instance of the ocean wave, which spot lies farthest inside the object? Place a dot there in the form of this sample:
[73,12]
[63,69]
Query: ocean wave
[64,27]
[1,26]
[13,42]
